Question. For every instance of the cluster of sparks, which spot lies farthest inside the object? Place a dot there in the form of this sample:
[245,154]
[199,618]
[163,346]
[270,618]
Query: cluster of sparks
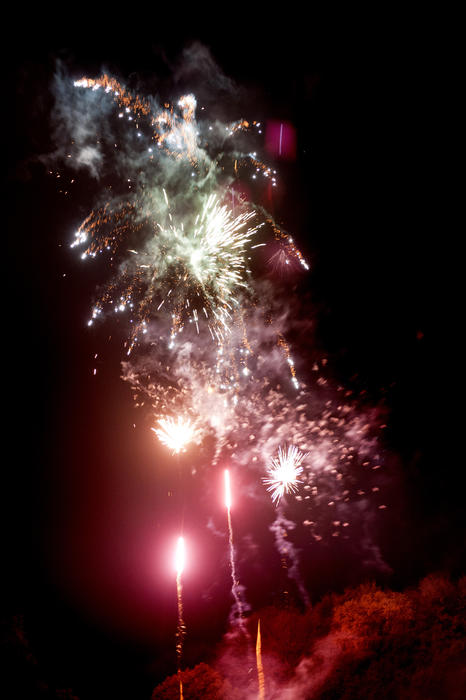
[175,434]
[284,472]
[189,262]
[187,265]
[193,270]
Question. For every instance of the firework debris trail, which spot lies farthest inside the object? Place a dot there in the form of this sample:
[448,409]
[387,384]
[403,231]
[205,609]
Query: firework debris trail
[238,612]
[202,347]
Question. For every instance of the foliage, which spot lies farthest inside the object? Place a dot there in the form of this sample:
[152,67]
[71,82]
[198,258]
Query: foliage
[367,643]
[400,645]
[200,683]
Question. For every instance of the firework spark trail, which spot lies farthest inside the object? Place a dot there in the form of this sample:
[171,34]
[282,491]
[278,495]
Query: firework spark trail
[281,342]
[288,254]
[174,133]
[174,130]
[181,628]
[235,588]
[260,669]
[176,435]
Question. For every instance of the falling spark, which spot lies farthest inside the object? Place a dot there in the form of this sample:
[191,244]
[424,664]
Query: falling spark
[284,472]
[260,669]
[175,434]
[181,630]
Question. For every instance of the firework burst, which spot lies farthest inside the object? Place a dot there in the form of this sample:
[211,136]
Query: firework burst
[175,434]
[284,472]
[260,668]
[191,270]
[191,263]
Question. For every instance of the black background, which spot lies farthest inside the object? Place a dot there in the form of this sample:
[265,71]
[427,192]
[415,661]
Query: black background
[366,204]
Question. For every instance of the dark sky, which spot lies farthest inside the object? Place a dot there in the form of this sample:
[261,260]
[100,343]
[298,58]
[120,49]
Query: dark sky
[365,206]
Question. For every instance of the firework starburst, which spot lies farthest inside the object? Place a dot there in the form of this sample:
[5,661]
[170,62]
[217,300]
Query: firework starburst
[190,269]
[284,471]
[175,434]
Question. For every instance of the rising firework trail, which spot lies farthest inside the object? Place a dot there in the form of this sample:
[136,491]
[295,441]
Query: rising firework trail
[260,669]
[235,587]
[181,629]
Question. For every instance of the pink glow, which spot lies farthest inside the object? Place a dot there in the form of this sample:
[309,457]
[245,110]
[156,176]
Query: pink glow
[227,490]
[180,556]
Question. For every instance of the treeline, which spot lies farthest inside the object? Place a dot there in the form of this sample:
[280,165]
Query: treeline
[367,643]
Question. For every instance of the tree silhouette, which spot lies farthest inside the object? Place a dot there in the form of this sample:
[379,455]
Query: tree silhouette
[364,644]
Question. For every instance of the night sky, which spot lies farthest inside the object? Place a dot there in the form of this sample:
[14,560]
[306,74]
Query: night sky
[88,527]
